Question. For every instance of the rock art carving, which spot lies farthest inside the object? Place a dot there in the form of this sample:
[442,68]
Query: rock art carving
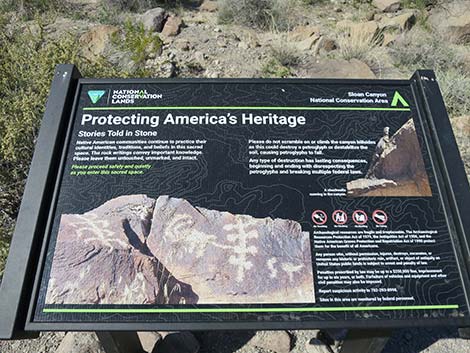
[230,258]
[137,250]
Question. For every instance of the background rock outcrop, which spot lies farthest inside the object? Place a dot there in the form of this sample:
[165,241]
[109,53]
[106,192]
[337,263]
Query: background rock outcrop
[397,171]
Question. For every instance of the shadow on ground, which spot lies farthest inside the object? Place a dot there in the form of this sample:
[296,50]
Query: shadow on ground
[420,339]
[223,341]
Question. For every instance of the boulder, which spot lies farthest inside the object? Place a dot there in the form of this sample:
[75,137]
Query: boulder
[396,169]
[402,158]
[335,68]
[209,6]
[308,43]
[403,22]
[178,342]
[149,340]
[389,39]
[275,341]
[387,5]
[80,342]
[325,44]
[229,258]
[136,250]
[172,26]
[369,29]
[316,346]
[97,40]
[301,33]
[153,19]
[305,36]
[101,258]
[453,21]
[328,44]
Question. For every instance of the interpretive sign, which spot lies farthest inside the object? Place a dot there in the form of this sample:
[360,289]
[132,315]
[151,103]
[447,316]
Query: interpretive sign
[248,204]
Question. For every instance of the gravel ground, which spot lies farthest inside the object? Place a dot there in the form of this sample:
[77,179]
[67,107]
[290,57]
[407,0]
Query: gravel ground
[443,340]
[46,343]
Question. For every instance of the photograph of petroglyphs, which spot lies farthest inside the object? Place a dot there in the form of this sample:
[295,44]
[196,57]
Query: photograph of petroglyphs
[396,167]
[137,250]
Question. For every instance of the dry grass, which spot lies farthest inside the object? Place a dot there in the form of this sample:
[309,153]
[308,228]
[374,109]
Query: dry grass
[455,87]
[420,49]
[358,43]
[277,15]
[285,54]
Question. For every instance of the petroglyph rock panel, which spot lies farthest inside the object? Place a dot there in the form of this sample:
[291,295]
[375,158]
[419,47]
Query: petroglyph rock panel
[101,258]
[229,258]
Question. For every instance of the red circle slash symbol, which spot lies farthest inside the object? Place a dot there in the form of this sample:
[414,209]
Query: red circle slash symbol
[359,217]
[380,217]
[340,217]
[319,217]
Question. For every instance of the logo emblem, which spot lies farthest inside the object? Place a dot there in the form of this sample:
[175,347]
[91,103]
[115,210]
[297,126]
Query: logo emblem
[398,98]
[95,95]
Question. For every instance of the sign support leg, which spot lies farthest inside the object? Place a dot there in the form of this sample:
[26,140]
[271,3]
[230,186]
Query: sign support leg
[120,342]
[365,341]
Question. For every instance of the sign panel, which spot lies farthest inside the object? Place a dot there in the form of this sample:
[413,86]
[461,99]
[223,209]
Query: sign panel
[249,202]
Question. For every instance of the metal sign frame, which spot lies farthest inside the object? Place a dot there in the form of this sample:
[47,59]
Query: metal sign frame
[20,282]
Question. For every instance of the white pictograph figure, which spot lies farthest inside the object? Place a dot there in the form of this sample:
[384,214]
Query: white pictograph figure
[134,291]
[181,230]
[290,269]
[273,272]
[240,234]
[90,228]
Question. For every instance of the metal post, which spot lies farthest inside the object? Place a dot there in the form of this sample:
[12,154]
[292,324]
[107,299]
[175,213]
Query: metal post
[17,283]
[120,342]
[365,341]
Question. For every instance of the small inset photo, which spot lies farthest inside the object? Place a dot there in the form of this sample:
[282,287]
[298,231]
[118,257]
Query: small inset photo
[396,167]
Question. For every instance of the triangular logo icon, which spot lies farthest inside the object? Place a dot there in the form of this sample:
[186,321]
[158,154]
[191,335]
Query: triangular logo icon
[397,98]
[95,95]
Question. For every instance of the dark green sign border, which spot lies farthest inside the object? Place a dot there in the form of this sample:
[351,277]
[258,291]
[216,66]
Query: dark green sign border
[250,108]
[247,310]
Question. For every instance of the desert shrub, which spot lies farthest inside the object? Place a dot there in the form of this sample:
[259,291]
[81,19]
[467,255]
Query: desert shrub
[455,87]
[27,63]
[283,58]
[359,43]
[142,5]
[263,14]
[273,69]
[421,4]
[285,54]
[139,42]
[418,49]
[356,44]
[29,8]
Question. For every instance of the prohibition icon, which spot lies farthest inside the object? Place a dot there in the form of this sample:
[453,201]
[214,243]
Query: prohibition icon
[340,217]
[359,217]
[319,217]
[379,217]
